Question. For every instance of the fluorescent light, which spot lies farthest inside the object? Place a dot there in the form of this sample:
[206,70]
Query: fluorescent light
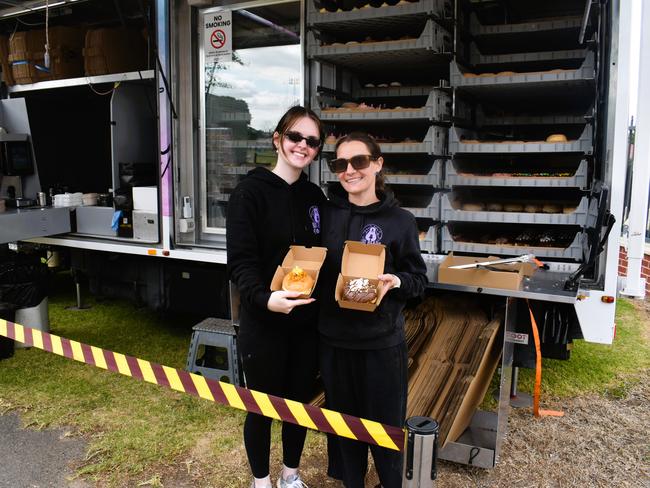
[55,4]
[32,9]
[16,13]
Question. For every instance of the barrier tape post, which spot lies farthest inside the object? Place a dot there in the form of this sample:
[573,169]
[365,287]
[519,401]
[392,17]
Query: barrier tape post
[315,418]
[421,453]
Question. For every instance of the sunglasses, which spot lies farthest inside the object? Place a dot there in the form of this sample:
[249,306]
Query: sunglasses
[296,137]
[339,165]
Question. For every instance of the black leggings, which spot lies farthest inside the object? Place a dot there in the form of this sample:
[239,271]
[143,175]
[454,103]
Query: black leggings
[282,361]
[371,384]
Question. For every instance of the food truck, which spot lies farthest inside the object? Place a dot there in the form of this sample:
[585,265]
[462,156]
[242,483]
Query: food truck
[126,125]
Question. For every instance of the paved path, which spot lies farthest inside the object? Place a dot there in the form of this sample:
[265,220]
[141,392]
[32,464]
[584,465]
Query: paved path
[36,459]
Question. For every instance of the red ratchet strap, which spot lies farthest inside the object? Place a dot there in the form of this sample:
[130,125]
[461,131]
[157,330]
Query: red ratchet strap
[538,372]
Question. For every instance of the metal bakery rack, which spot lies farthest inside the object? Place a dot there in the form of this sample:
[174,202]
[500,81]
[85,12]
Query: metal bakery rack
[488,125]
[385,71]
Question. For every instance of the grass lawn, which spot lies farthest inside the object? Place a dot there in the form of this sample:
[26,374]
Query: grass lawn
[595,368]
[137,430]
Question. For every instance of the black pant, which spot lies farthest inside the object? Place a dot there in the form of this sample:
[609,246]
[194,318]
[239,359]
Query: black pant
[283,361]
[370,384]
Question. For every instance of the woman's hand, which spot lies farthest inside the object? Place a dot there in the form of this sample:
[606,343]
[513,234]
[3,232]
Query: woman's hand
[286,301]
[389,282]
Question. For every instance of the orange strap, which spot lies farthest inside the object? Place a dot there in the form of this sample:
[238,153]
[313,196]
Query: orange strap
[538,371]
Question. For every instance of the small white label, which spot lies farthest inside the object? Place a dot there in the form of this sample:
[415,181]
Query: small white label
[185,275]
[517,337]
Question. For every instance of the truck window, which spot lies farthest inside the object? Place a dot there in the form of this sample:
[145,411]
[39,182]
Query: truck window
[246,90]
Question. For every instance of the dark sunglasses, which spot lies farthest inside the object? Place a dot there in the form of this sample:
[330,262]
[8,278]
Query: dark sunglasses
[339,165]
[296,137]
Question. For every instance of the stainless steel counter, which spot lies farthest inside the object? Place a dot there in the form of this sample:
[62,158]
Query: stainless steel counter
[25,223]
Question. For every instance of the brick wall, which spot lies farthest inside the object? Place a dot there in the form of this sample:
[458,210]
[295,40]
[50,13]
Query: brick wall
[645,267]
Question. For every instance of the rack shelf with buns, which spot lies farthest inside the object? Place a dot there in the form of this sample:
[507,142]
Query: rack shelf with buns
[431,212]
[432,179]
[382,17]
[463,141]
[457,206]
[437,107]
[526,61]
[532,82]
[432,46]
[434,142]
[514,176]
[486,119]
[392,90]
[429,240]
[415,195]
[534,35]
[575,249]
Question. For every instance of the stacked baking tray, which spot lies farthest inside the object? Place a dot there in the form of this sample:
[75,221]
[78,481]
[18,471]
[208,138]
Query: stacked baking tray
[385,71]
[522,142]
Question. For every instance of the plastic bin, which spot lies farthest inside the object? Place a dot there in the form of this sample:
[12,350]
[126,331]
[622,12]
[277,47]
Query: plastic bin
[36,317]
[23,291]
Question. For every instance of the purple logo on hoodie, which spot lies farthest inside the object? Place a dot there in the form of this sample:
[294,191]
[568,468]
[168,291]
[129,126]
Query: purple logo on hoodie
[371,234]
[314,214]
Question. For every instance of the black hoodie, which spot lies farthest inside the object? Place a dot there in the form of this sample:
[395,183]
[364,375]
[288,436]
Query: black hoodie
[384,223]
[266,215]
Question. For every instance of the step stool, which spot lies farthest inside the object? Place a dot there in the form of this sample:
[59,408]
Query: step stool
[220,360]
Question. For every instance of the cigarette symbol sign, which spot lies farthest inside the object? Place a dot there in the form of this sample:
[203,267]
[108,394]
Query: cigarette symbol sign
[218,39]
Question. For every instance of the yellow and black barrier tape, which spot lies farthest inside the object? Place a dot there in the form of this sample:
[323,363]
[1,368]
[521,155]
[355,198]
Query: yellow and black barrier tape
[309,416]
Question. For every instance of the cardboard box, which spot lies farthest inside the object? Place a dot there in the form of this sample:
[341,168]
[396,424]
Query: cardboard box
[114,50]
[508,276]
[360,261]
[145,198]
[7,74]
[310,259]
[27,52]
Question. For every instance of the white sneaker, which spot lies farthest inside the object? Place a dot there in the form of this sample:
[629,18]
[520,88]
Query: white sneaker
[253,485]
[292,481]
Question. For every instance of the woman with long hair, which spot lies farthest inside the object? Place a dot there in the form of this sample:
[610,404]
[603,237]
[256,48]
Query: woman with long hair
[269,211]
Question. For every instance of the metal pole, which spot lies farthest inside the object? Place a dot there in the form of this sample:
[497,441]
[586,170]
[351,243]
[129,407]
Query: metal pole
[79,297]
[517,399]
[421,452]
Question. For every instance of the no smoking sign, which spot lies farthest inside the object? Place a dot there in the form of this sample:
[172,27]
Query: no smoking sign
[218,39]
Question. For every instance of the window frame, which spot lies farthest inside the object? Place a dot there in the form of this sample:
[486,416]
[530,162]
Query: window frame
[204,231]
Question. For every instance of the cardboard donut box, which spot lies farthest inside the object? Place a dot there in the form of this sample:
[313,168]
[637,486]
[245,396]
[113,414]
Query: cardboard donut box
[360,261]
[509,277]
[310,259]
